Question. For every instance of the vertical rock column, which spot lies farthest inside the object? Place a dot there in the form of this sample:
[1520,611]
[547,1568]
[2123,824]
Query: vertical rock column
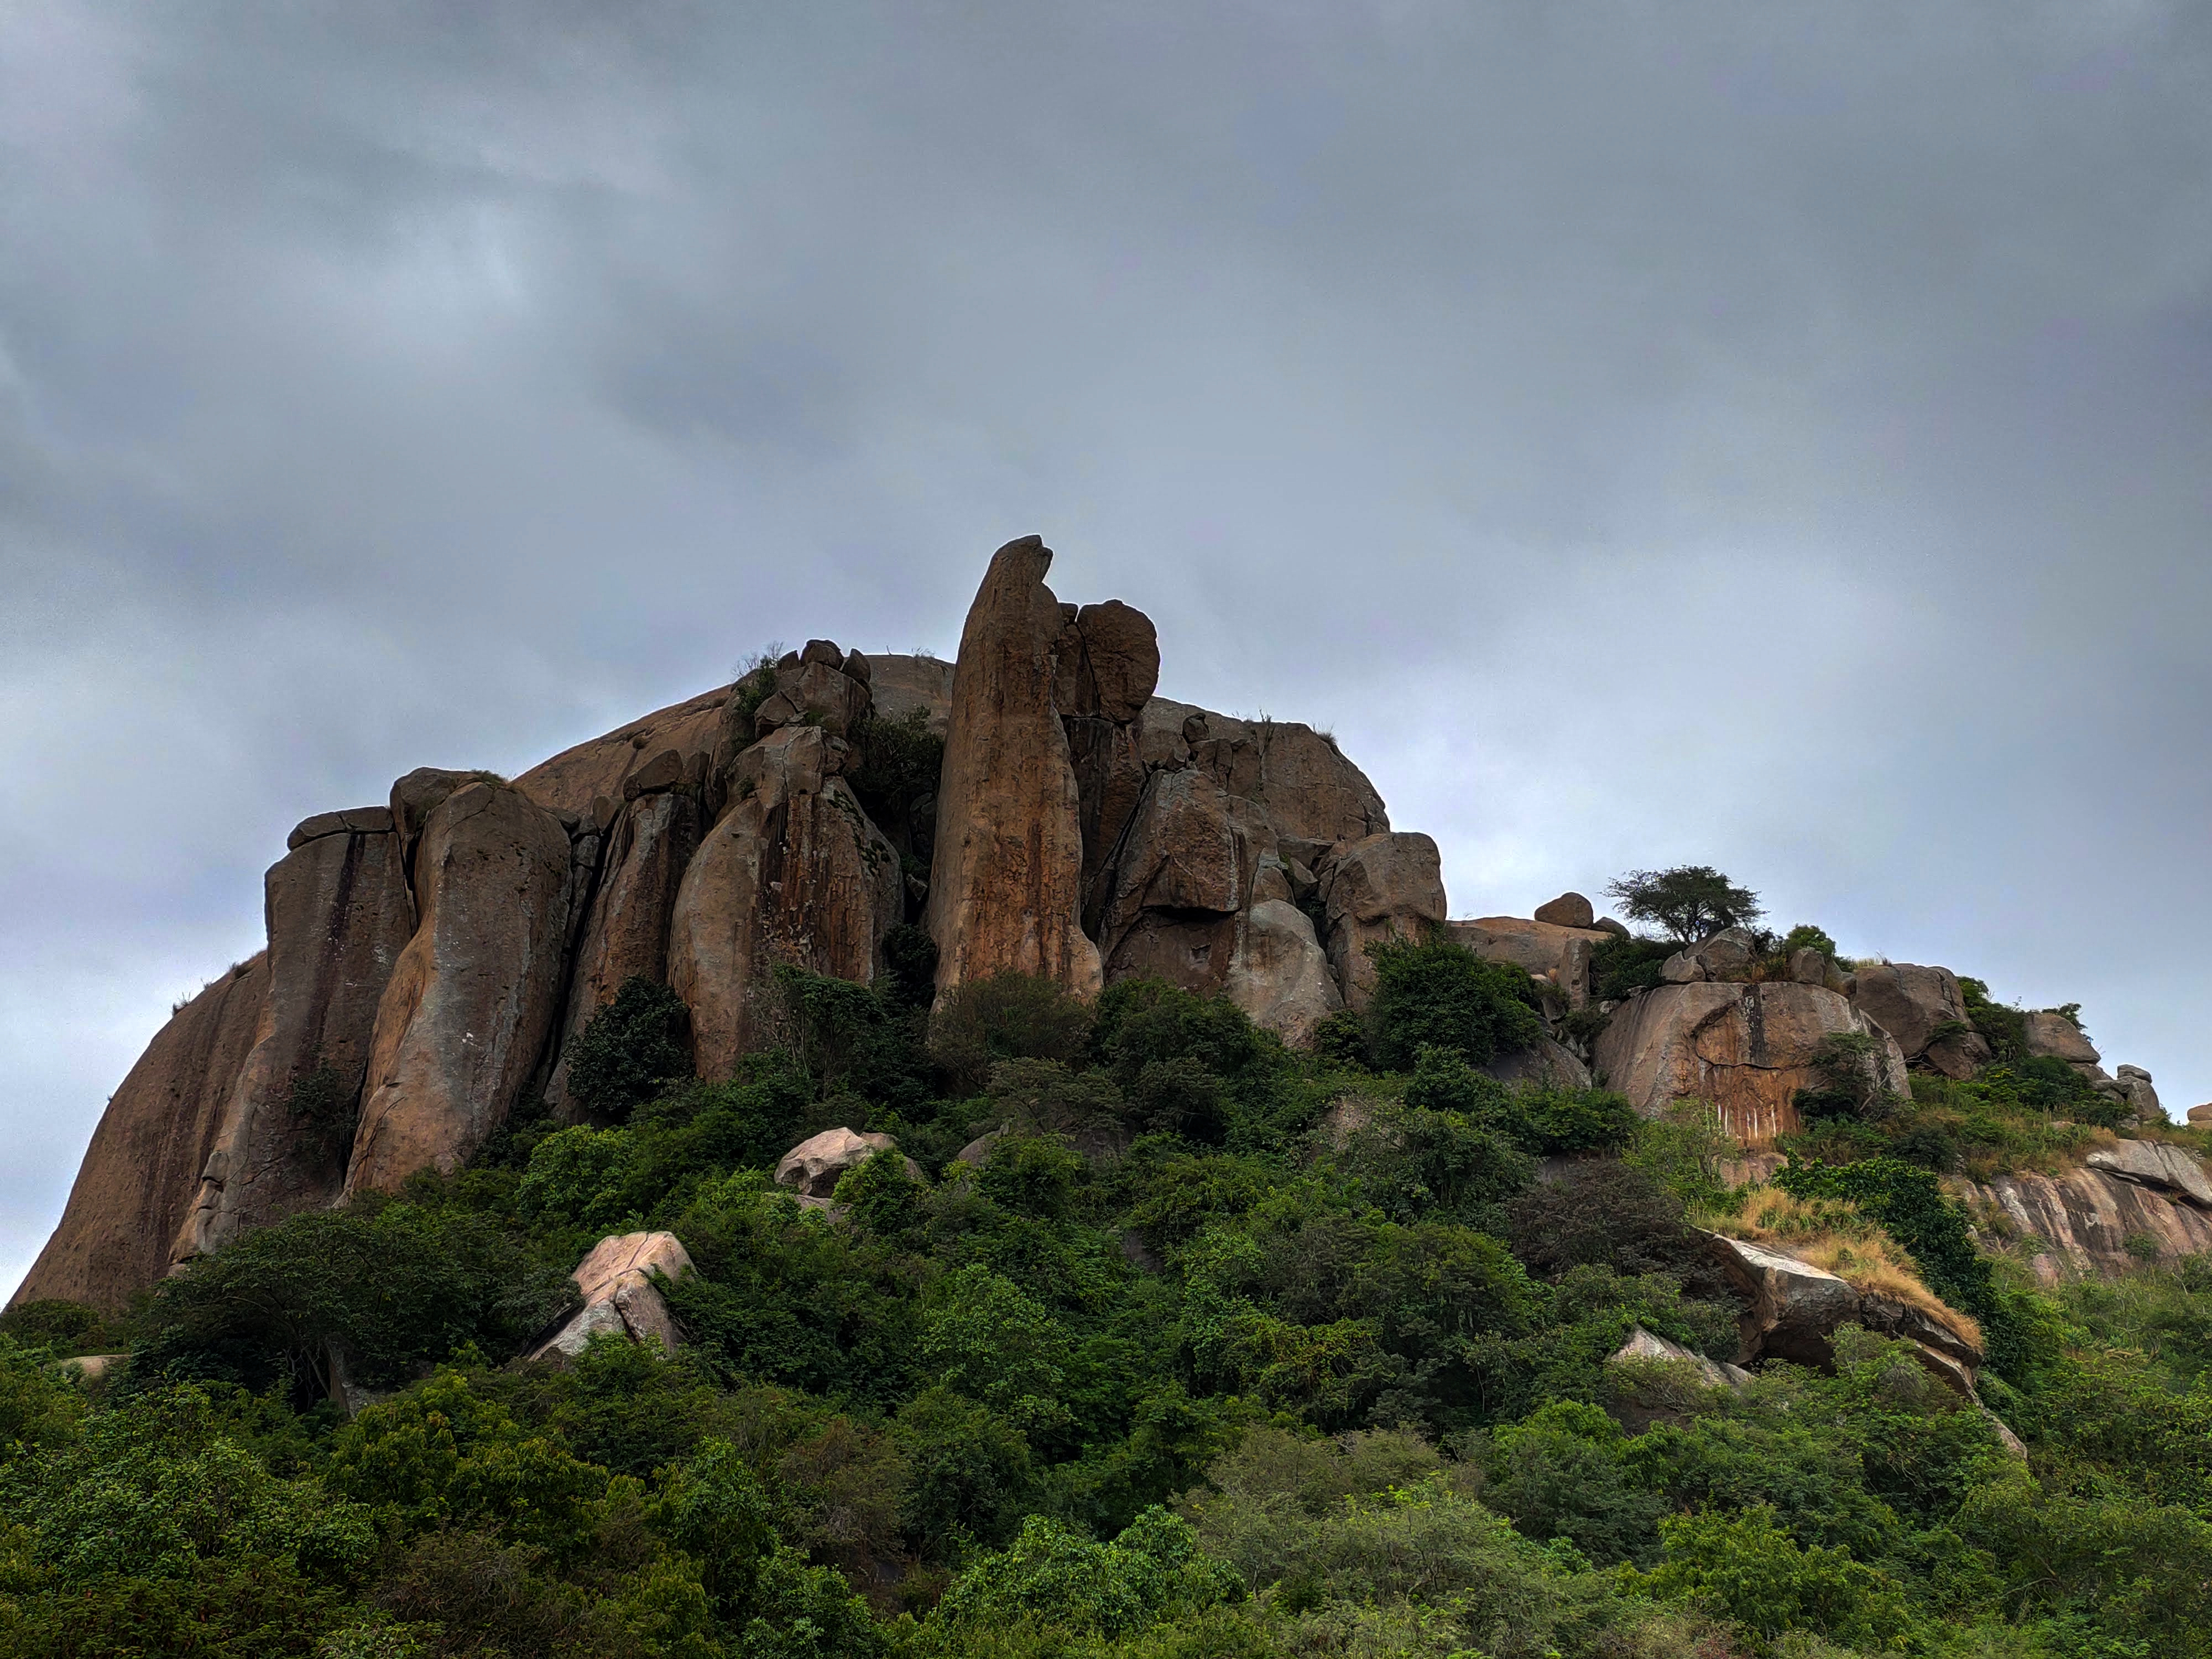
[338,914]
[473,997]
[1005,890]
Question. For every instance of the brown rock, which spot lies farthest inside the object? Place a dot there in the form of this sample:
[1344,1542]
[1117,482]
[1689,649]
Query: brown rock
[2083,1221]
[1791,1306]
[141,1172]
[621,1294]
[1310,792]
[2053,1033]
[472,999]
[2164,1167]
[351,821]
[1607,924]
[1005,890]
[817,691]
[664,771]
[1387,886]
[1547,950]
[1107,663]
[626,933]
[903,683]
[1569,910]
[1744,1048]
[1180,877]
[793,873]
[1912,1003]
[338,914]
[2200,1115]
[816,1165]
[1548,1064]
[572,778]
[1809,967]
[2136,1085]
[1279,974]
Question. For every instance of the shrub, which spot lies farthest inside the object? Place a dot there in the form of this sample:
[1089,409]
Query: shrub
[968,1471]
[581,1176]
[911,955]
[1054,1574]
[1005,1017]
[1769,1584]
[1692,902]
[1805,937]
[1436,993]
[629,1048]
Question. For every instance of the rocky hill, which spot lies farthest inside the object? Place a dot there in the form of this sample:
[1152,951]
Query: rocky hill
[432,961]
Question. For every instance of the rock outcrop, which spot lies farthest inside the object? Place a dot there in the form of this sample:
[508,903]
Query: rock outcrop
[620,1281]
[814,1167]
[643,858]
[1792,1311]
[1745,1049]
[141,1175]
[472,999]
[794,874]
[2051,1033]
[575,779]
[339,914]
[1006,891]
[1380,887]
[1924,1010]
[1573,910]
[2132,1204]
[1549,951]
[1278,973]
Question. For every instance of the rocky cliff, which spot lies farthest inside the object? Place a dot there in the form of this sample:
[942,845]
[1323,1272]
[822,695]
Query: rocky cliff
[431,960]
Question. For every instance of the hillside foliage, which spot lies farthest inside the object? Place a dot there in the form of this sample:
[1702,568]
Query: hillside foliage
[1219,1351]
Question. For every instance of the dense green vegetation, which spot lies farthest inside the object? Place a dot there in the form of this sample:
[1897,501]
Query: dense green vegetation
[1218,1350]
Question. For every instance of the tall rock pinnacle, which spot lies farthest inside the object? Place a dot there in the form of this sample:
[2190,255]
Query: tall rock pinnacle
[1006,891]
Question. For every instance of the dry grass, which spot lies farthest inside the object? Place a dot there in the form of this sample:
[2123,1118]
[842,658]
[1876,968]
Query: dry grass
[1832,1234]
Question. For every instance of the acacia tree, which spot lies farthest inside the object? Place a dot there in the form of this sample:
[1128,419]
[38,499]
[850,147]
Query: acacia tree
[1692,902]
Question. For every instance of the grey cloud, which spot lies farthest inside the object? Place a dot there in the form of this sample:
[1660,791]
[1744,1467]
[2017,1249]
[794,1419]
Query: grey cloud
[1770,435]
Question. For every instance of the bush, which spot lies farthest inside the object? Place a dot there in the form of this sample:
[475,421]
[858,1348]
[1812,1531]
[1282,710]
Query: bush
[1772,1584]
[1060,1578]
[1005,1017]
[1439,994]
[629,1048]
[583,1177]
[1621,967]
[1692,902]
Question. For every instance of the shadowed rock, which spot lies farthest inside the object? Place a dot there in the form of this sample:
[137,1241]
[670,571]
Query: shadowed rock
[1383,887]
[338,914]
[141,1175]
[1914,1004]
[620,1295]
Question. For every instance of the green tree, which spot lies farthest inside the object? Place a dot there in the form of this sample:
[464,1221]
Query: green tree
[1436,993]
[1692,902]
[629,1048]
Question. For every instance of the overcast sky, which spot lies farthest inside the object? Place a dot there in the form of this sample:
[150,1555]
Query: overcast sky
[1770,435]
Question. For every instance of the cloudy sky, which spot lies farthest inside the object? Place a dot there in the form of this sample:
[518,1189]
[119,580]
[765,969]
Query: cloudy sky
[1773,435]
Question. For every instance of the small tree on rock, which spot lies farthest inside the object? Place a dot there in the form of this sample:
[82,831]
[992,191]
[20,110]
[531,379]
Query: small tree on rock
[1692,902]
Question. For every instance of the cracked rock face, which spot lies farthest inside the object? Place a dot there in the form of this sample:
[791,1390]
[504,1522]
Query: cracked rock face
[814,1166]
[1744,1048]
[2094,1220]
[472,998]
[1912,1003]
[339,914]
[794,874]
[620,1295]
[1382,887]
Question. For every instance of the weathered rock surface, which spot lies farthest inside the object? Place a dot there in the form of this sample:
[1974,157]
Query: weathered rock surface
[647,851]
[1383,887]
[1180,877]
[1571,910]
[1547,950]
[350,821]
[1645,1347]
[1006,886]
[1549,1065]
[817,687]
[1793,1309]
[1808,966]
[2158,1165]
[1279,974]
[1914,1005]
[2081,1222]
[902,683]
[2053,1033]
[574,779]
[1314,798]
[620,1294]
[816,1165]
[471,1000]
[2200,1115]
[1744,1048]
[2135,1086]
[793,874]
[141,1175]
[339,914]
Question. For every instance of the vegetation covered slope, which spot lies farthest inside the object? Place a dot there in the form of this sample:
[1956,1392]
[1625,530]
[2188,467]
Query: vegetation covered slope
[1218,1350]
